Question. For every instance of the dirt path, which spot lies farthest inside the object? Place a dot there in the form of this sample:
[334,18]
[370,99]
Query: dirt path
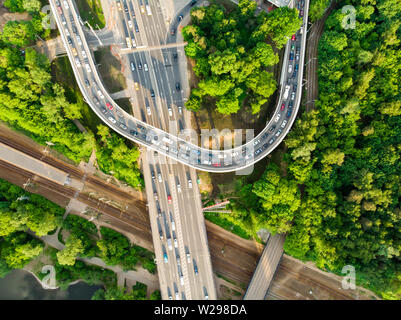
[6,16]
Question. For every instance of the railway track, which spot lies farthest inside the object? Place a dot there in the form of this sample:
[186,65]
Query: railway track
[142,227]
[71,170]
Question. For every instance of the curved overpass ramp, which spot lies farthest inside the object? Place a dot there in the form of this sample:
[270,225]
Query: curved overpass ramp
[177,146]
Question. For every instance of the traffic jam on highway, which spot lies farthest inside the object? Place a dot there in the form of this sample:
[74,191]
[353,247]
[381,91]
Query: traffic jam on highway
[164,64]
[171,145]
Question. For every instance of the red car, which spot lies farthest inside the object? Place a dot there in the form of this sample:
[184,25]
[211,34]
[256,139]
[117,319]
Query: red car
[108,105]
[216,165]
[169,199]
[293,37]
[282,107]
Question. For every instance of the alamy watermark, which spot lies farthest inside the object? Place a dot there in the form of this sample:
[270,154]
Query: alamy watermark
[49,280]
[348,22]
[349,279]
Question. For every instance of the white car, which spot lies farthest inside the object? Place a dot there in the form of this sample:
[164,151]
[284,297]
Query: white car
[283,124]
[88,68]
[292,95]
[188,258]
[175,243]
[79,40]
[148,110]
[179,109]
[66,4]
[84,54]
[112,119]
[178,188]
[159,176]
[170,112]
[130,24]
[277,118]
[100,94]
[145,66]
[67,32]
[290,68]
[190,183]
[77,62]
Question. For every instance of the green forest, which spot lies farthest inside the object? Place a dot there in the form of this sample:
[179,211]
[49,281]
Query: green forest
[31,102]
[232,56]
[338,198]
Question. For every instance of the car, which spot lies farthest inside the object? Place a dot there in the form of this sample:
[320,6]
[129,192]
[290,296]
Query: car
[125,8]
[96,101]
[165,257]
[74,29]
[172,31]
[195,269]
[278,132]
[286,92]
[282,106]
[179,109]
[132,66]
[139,66]
[216,164]
[258,151]
[112,119]
[277,118]
[100,94]
[74,51]
[145,66]
[136,26]
[84,54]
[133,12]
[57,3]
[293,37]
[170,112]
[133,42]
[284,124]
[294,75]
[119,6]
[62,18]
[67,32]
[130,25]
[133,132]
[265,146]
[256,142]
[193,2]
[175,56]
[292,95]
[175,243]
[86,82]
[153,175]
[290,68]
[103,109]
[301,13]
[177,296]
[88,68]
[190,183]
[292,47]
[69,40]
[155,195]
[297,56]
[148,111]
[294,88]
[59,10]
[136,86]
[123,126]
[289,113]
[66,4]
[79,40]
[152,93]
[188,257]
[272,128]
[180,17]
[272,140]
[178,188]
[159,177]
[77,62]
[291,56]
[265,135]
[178,86]
[296,67]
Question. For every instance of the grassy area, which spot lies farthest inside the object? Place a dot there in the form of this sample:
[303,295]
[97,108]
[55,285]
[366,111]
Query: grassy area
[110,70]
[224,223]
[62,73]
[91,11]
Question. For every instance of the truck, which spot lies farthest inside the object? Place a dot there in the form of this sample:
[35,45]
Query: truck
[286,92]
[170,247]
[128,41]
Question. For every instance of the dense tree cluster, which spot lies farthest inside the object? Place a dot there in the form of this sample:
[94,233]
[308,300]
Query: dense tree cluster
[346,155]
[138,292]
[114,156]
[231,53]
[317,9]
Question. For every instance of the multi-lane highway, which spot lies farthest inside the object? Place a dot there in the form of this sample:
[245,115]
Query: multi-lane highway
[174,144]
[179,234]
